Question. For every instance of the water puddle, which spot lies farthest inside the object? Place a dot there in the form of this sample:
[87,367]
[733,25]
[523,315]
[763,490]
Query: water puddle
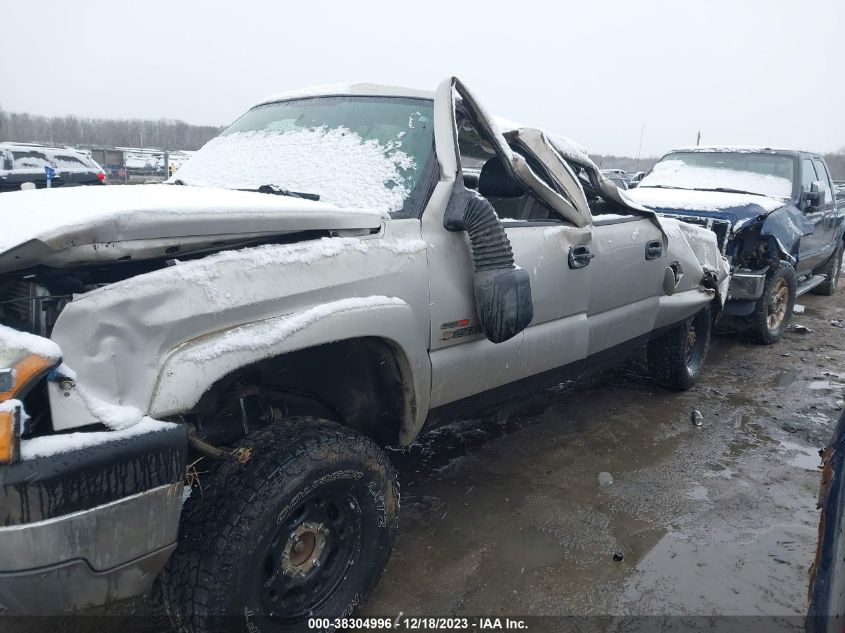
[820,385]
[802,456]
[528,549]
[685,574]
[785,378]
[698,493]
[718,470]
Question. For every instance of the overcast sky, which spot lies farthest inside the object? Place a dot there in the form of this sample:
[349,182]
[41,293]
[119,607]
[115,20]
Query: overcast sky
[767,72]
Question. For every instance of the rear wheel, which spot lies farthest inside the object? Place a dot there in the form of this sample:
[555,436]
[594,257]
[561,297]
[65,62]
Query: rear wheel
[832,270]
[302,530]
[676,358]
[773,311]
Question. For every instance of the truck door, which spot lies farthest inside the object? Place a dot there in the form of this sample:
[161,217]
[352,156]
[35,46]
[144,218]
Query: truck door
[829,218]
[627,280]
[812,249]
[464,363]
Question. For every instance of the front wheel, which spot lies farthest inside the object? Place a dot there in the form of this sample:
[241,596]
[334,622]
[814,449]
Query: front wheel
[676,358]
[302,530]
[773,311]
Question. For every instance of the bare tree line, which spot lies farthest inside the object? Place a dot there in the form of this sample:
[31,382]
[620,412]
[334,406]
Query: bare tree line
[173,134]
[74,130]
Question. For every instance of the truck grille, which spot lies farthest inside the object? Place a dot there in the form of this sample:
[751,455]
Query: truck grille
[722,228]
[22,307]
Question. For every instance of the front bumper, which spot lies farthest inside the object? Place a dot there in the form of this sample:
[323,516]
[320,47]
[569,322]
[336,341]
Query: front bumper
[83,528]
[747,285]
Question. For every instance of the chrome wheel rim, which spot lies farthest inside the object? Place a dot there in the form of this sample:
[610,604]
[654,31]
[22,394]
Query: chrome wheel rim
[778,302]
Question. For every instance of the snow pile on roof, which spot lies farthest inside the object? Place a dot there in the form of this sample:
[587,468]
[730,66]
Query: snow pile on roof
[506,125]
[684,199]
[364,89]
[570,150]
[740,149]
[65,442]
[262,336]
[336,163]
[678,173]
[11,339]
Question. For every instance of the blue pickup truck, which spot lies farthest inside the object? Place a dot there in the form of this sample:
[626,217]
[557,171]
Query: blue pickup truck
[775,215]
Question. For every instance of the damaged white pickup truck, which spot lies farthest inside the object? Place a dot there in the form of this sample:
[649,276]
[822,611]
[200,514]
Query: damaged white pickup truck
[197,378]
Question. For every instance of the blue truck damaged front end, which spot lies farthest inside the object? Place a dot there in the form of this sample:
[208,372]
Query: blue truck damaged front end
[753,238]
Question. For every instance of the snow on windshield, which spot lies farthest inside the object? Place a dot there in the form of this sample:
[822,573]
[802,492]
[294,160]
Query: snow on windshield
[338,164]
[681,172]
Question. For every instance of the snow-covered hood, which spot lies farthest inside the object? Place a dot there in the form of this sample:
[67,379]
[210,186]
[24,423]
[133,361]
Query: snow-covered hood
[715,204]
[79,225]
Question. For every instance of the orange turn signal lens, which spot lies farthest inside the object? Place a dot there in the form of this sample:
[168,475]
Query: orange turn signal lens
[26,371]
[10,434]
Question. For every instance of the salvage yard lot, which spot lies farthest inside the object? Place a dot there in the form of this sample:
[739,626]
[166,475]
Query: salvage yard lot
[506,516]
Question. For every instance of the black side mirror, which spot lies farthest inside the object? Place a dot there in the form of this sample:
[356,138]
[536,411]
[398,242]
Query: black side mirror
[814,198]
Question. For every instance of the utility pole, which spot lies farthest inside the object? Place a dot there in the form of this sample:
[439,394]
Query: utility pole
[698,139]
[640,150]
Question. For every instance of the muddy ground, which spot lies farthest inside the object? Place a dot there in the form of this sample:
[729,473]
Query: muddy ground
[511,514]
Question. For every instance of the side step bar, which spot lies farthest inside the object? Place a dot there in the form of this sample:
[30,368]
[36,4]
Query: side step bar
[808,284]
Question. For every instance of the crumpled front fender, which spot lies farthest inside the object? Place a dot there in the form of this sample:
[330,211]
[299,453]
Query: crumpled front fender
[697,250]
[117,338]
[193,368]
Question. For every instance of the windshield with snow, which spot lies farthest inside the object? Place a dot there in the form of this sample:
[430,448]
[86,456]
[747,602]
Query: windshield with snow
[764,174]
[358,152]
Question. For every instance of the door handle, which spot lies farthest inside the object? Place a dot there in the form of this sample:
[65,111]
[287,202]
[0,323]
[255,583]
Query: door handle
[653,249]
[580,256]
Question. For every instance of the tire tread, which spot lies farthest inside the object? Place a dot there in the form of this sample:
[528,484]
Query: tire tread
[210,523]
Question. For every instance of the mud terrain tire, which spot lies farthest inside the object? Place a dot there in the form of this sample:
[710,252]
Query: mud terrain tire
[773,311]
[676,358]
[311,491]
[833,271]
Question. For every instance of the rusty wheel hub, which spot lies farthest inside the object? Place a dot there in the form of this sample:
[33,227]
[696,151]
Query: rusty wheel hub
[777,304]
[303,549]
[692,337]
